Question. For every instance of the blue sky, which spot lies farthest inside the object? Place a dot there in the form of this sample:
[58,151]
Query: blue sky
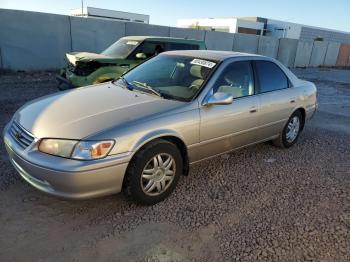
[333,14]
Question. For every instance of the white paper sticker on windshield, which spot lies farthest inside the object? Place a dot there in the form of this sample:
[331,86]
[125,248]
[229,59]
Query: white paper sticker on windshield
[132,43]
[204,63]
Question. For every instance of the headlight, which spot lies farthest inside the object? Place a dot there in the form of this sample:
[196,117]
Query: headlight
[92,149]
[82,150]
[57,147]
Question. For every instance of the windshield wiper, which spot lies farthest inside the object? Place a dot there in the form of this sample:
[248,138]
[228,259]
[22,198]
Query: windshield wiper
[127,84]
[147,87]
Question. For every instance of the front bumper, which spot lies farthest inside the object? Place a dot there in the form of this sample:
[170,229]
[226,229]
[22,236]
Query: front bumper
[310,111]
[68,80]
[65,177]
[63,83]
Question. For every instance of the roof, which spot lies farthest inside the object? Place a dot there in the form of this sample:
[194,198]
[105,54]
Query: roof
[162,38]
[210,54]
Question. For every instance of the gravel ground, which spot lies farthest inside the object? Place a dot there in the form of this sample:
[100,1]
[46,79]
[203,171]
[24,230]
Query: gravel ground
[257,204]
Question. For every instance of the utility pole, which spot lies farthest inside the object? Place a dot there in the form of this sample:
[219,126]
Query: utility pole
[82,7]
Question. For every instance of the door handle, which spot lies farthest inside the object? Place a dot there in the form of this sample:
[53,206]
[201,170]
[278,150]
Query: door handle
[292,100]
[124,66]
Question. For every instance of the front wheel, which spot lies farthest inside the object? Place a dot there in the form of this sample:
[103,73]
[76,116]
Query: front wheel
[153,173]
[291,131]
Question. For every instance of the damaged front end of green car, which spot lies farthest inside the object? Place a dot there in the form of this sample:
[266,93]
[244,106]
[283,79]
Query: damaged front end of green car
[85,68]
[88,68]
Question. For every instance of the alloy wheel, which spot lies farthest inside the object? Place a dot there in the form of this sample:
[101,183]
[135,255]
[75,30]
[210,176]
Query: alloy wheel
[158,174]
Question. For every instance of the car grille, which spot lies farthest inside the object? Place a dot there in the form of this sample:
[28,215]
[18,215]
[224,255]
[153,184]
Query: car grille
[20,135]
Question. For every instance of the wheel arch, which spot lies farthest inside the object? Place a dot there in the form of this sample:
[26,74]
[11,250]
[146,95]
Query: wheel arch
[303,114]
[167,135]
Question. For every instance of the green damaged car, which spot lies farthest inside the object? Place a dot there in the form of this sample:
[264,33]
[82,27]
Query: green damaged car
[84,68]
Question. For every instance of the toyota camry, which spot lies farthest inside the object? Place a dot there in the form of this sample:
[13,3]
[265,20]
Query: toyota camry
[141,132]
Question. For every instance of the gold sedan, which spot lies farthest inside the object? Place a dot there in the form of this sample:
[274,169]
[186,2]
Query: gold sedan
[141,132]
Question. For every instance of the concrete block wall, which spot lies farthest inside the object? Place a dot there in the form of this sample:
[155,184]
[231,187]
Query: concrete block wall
[318,53]
[32,40]
[245,43]
[219,40]
[331,54]
[287,50]
[303,54]
[94,35]
[268,46]
[146,29]
[187,33]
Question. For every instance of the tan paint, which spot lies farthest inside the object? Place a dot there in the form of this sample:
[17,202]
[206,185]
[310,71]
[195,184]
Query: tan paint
[344,55]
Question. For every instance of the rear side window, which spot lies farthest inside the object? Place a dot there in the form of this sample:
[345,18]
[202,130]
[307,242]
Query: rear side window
[181,46]
[270,76]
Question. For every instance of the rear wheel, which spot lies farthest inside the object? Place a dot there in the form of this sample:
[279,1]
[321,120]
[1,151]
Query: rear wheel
[153,173]
[291,131]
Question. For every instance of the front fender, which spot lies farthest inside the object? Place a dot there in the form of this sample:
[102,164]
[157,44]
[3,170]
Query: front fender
[155,134]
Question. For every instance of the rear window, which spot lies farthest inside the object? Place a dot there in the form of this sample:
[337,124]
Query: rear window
[271,77]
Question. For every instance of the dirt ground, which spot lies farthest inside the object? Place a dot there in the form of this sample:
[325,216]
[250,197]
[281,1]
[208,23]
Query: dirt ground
[257,204]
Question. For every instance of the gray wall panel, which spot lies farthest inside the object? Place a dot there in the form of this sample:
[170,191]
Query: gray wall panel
[287,50]
[219,41]
[95,35]
[31,40]
[268,46]
[246,43]
[187,33]
[303,54]
[146,29]
[332,54]
[318,53]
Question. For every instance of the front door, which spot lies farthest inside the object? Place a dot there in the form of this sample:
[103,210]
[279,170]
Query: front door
[226,127]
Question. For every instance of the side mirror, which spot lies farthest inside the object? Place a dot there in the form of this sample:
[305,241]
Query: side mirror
[141,56]
[219,98]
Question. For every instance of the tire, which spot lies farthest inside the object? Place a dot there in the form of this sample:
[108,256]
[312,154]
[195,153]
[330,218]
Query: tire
[149,181]
[288,138]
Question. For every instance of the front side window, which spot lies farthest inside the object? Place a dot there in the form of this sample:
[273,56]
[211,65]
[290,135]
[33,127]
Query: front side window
[121,49]
[173,77]
[271,77]
[149,49]
[237,80]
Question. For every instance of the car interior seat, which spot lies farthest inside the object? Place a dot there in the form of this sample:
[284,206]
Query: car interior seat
[200,73]
[236,83]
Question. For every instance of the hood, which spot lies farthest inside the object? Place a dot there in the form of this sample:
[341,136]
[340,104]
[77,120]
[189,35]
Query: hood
[82,112]
[88,57]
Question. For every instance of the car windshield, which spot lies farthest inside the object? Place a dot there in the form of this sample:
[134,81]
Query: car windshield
[169,76]
[121,49]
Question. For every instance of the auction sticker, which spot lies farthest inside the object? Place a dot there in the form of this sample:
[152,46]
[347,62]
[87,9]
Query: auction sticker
[204,63]
[132,43]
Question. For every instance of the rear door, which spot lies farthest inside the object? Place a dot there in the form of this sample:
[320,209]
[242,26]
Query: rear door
[277,98]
